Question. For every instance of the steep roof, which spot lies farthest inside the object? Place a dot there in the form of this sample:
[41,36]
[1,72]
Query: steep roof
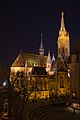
[22,58]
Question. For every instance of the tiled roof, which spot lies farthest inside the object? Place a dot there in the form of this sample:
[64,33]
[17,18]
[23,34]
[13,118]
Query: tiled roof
[22,58]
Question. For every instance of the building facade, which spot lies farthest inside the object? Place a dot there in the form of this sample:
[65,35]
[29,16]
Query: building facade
[63,41]
[55,81]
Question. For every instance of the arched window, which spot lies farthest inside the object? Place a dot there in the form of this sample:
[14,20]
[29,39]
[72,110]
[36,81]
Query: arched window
[63,50]
[66,50]
[61,82]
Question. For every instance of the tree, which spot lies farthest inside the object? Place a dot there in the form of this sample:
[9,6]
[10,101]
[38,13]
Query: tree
[20,85]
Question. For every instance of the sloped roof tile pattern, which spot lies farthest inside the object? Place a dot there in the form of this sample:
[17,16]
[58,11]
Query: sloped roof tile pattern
[22,58]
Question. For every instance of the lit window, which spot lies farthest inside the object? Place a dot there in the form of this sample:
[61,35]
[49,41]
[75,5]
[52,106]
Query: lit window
[61,82]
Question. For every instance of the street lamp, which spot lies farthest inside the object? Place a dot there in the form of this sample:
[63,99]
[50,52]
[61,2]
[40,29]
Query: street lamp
[5,83]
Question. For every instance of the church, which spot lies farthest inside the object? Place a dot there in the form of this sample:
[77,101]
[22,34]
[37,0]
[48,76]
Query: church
[49,77]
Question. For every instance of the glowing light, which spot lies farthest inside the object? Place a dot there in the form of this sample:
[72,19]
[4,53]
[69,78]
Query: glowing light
[70,109]
[74,104]
[69,75]
[77,111]
[4,83]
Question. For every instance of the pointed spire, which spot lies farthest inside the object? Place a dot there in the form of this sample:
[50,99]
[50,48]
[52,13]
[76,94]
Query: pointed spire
[62,22]
[41,48]
[53,58]
[41,45]
[49,57]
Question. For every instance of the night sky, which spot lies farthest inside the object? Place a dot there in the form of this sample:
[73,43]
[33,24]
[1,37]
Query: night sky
[21,23]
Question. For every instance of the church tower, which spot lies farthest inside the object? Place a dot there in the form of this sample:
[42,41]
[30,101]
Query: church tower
[63,40]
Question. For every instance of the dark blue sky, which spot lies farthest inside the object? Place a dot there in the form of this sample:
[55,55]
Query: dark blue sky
[21,23]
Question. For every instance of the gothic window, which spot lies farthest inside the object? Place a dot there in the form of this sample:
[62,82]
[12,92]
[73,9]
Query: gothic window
[63,50]
[61,82]
[66,50]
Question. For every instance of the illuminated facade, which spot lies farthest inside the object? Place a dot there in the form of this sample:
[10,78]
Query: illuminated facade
[63,41]
[63,84]
[26,61]
[63,80]
[55,81]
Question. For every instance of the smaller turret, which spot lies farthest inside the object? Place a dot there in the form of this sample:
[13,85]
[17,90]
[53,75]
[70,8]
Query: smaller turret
[49,62]
[53,62]
[53,58]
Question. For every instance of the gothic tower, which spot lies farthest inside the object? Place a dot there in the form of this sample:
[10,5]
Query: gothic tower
[63,40]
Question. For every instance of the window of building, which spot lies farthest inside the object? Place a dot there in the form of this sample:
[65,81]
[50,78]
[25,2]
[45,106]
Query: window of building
[61,82]
[66,50]
[63,50]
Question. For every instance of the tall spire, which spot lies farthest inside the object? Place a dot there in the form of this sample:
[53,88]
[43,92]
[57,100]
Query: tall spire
[41,45]
[63,40]
[62,22]
[41,48]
